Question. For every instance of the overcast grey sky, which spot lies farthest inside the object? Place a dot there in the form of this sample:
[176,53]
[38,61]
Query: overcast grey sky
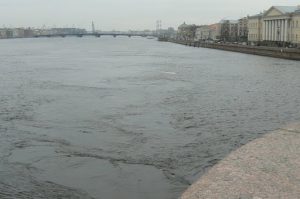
[126,14]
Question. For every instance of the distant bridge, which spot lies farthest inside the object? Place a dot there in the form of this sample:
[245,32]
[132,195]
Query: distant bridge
[95,35]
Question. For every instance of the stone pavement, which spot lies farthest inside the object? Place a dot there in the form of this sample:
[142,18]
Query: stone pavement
[268,167]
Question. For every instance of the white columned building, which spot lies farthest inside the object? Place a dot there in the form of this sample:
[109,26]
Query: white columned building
[278,26]
[276,23]
[277,29]
[274,30]
[282,30]
[286,30]
[271,31]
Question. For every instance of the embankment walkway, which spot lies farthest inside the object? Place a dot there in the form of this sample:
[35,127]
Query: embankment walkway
[283,53]
[268,167]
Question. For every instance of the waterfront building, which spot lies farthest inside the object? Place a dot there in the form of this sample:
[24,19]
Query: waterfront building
[167,33]
[186,32]
[28,33]
[255,28]
[214,31]
[3,34]
[9,33]
[243,29]
[55,31]
[278,26]
[37,32]
[202,33]
[206,32]
[228,30]
[67,31]
[18,33]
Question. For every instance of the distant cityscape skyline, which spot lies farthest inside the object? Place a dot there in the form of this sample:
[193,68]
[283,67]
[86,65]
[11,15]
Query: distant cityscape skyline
[127,14]
[91,28]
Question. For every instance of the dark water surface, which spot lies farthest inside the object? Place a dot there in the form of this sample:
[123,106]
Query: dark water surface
[114,118]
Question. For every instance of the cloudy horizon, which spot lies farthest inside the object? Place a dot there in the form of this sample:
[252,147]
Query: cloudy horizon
[126,14]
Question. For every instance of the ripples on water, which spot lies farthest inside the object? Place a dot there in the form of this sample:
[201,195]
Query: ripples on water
[130,118]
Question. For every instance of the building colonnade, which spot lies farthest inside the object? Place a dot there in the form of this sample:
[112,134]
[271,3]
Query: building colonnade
[275,30]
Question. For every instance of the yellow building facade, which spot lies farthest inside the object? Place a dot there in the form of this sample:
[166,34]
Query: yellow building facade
[280,24]
[255,28]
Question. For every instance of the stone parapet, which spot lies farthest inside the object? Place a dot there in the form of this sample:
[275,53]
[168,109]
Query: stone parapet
[284,53]
[266,168]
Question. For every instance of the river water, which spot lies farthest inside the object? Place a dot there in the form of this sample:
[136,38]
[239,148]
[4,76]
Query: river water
[130,118]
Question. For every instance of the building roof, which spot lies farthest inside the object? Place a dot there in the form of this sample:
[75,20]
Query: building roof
[286,9]
[230,21]
[282,9]
[184,25]
[213,26]
[256,16]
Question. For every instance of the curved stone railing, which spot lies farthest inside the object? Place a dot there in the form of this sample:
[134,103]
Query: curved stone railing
[268,167]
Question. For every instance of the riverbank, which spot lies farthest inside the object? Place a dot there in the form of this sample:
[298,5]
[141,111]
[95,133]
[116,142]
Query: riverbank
[268,167]
[284,53]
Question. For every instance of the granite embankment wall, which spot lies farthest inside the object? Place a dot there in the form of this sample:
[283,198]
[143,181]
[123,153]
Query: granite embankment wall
[285,53]
[268,167]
